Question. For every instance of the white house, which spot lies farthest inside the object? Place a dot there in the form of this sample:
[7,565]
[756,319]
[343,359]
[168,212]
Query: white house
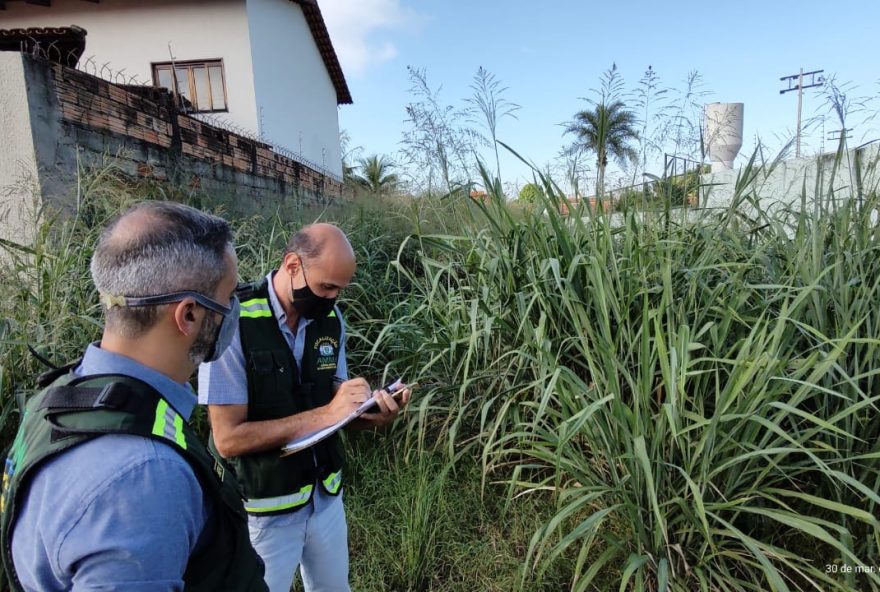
[267,66]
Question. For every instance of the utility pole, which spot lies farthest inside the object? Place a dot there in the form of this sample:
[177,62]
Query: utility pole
[816,79]
[840,136]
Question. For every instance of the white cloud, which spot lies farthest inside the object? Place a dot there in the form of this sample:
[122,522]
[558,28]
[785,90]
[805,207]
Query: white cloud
[360,29]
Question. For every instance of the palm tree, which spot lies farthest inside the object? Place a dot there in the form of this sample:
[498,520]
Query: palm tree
[607,130]
[374,174]
[348,153]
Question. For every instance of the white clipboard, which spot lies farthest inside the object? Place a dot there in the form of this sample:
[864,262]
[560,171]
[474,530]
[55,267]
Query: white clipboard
[308,440]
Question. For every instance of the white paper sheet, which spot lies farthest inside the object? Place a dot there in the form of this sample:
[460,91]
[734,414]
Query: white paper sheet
[315,437]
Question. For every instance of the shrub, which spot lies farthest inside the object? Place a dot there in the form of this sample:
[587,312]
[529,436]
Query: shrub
[699,393]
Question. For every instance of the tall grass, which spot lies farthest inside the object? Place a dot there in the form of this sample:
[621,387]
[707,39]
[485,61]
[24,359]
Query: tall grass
[417,527]
[648,401]
[698,394]
[417,522]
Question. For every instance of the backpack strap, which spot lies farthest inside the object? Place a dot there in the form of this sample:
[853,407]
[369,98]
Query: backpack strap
[128,405]
[49,376]
[247,290]
[114,392]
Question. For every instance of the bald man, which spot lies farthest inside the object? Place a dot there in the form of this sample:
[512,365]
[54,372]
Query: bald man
[285,376]
[106,486]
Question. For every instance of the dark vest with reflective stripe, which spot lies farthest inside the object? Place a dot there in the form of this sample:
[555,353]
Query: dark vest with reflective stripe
[278,387]
[74,410]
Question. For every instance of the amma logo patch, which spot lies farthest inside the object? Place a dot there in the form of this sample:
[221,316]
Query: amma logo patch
[327,350]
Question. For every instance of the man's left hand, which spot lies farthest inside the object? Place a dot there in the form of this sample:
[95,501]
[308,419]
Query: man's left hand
[389,408]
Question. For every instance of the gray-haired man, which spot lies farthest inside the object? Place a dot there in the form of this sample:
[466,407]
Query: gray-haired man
[106,486]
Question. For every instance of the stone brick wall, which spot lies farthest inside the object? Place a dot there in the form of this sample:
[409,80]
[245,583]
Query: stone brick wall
[80,120]
[94,103]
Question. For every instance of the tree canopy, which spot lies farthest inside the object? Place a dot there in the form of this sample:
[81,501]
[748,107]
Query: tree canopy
[606,130]
[374,173]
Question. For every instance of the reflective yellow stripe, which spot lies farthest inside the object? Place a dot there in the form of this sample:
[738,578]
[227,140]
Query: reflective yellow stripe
[275,504]
[169,424]
[159,423]
[255,308]
[333,482]
[246,314]
[178,431]
[254,301]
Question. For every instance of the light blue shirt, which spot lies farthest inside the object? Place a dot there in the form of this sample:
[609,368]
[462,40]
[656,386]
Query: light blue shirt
[118,512]
[224,382]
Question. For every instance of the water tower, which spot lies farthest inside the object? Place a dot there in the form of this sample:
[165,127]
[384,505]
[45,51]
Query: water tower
[724,133]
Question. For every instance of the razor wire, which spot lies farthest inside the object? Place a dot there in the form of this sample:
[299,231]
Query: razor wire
[226,125]
[105,72]
[52,52]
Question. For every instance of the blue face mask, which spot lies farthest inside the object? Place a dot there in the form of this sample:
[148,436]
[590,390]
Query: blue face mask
[225,332]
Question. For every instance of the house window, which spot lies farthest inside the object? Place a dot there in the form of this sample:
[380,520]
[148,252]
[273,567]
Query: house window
[200,83]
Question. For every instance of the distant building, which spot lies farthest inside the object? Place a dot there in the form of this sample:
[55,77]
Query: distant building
[267,66]
[574,203]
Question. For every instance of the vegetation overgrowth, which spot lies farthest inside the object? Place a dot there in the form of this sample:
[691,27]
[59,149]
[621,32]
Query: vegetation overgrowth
[673,400]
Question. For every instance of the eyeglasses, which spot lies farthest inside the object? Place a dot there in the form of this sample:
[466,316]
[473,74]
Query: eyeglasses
[110,301]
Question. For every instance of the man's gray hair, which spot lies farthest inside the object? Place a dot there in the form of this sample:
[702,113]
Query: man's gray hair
[156,248]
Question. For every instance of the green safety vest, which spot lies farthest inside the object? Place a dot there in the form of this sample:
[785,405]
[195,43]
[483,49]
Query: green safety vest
[273,484]
[74,410]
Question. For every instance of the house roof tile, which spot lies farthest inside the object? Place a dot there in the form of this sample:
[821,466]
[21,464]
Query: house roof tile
[318,27]
[64,45]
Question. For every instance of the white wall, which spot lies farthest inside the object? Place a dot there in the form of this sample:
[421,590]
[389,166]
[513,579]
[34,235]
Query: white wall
[784,184]
[296,98]
[131,35]
[19,189]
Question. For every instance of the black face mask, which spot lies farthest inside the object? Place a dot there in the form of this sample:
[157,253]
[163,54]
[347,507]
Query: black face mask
[308,304]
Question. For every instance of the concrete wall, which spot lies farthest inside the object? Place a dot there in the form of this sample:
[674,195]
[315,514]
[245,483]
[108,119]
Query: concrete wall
[782,184]
[296,99]
[19,185]
[79,121]
[131,36]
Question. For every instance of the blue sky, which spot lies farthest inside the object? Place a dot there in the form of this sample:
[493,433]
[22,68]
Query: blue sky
[551,53]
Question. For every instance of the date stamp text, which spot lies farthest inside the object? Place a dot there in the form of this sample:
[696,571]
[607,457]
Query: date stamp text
[833,568]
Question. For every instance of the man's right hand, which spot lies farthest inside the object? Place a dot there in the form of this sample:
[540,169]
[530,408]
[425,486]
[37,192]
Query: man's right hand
[234,435]
[348,398]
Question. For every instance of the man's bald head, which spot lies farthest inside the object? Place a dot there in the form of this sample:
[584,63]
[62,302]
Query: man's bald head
[157,225]
[316,241]
[157,248]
